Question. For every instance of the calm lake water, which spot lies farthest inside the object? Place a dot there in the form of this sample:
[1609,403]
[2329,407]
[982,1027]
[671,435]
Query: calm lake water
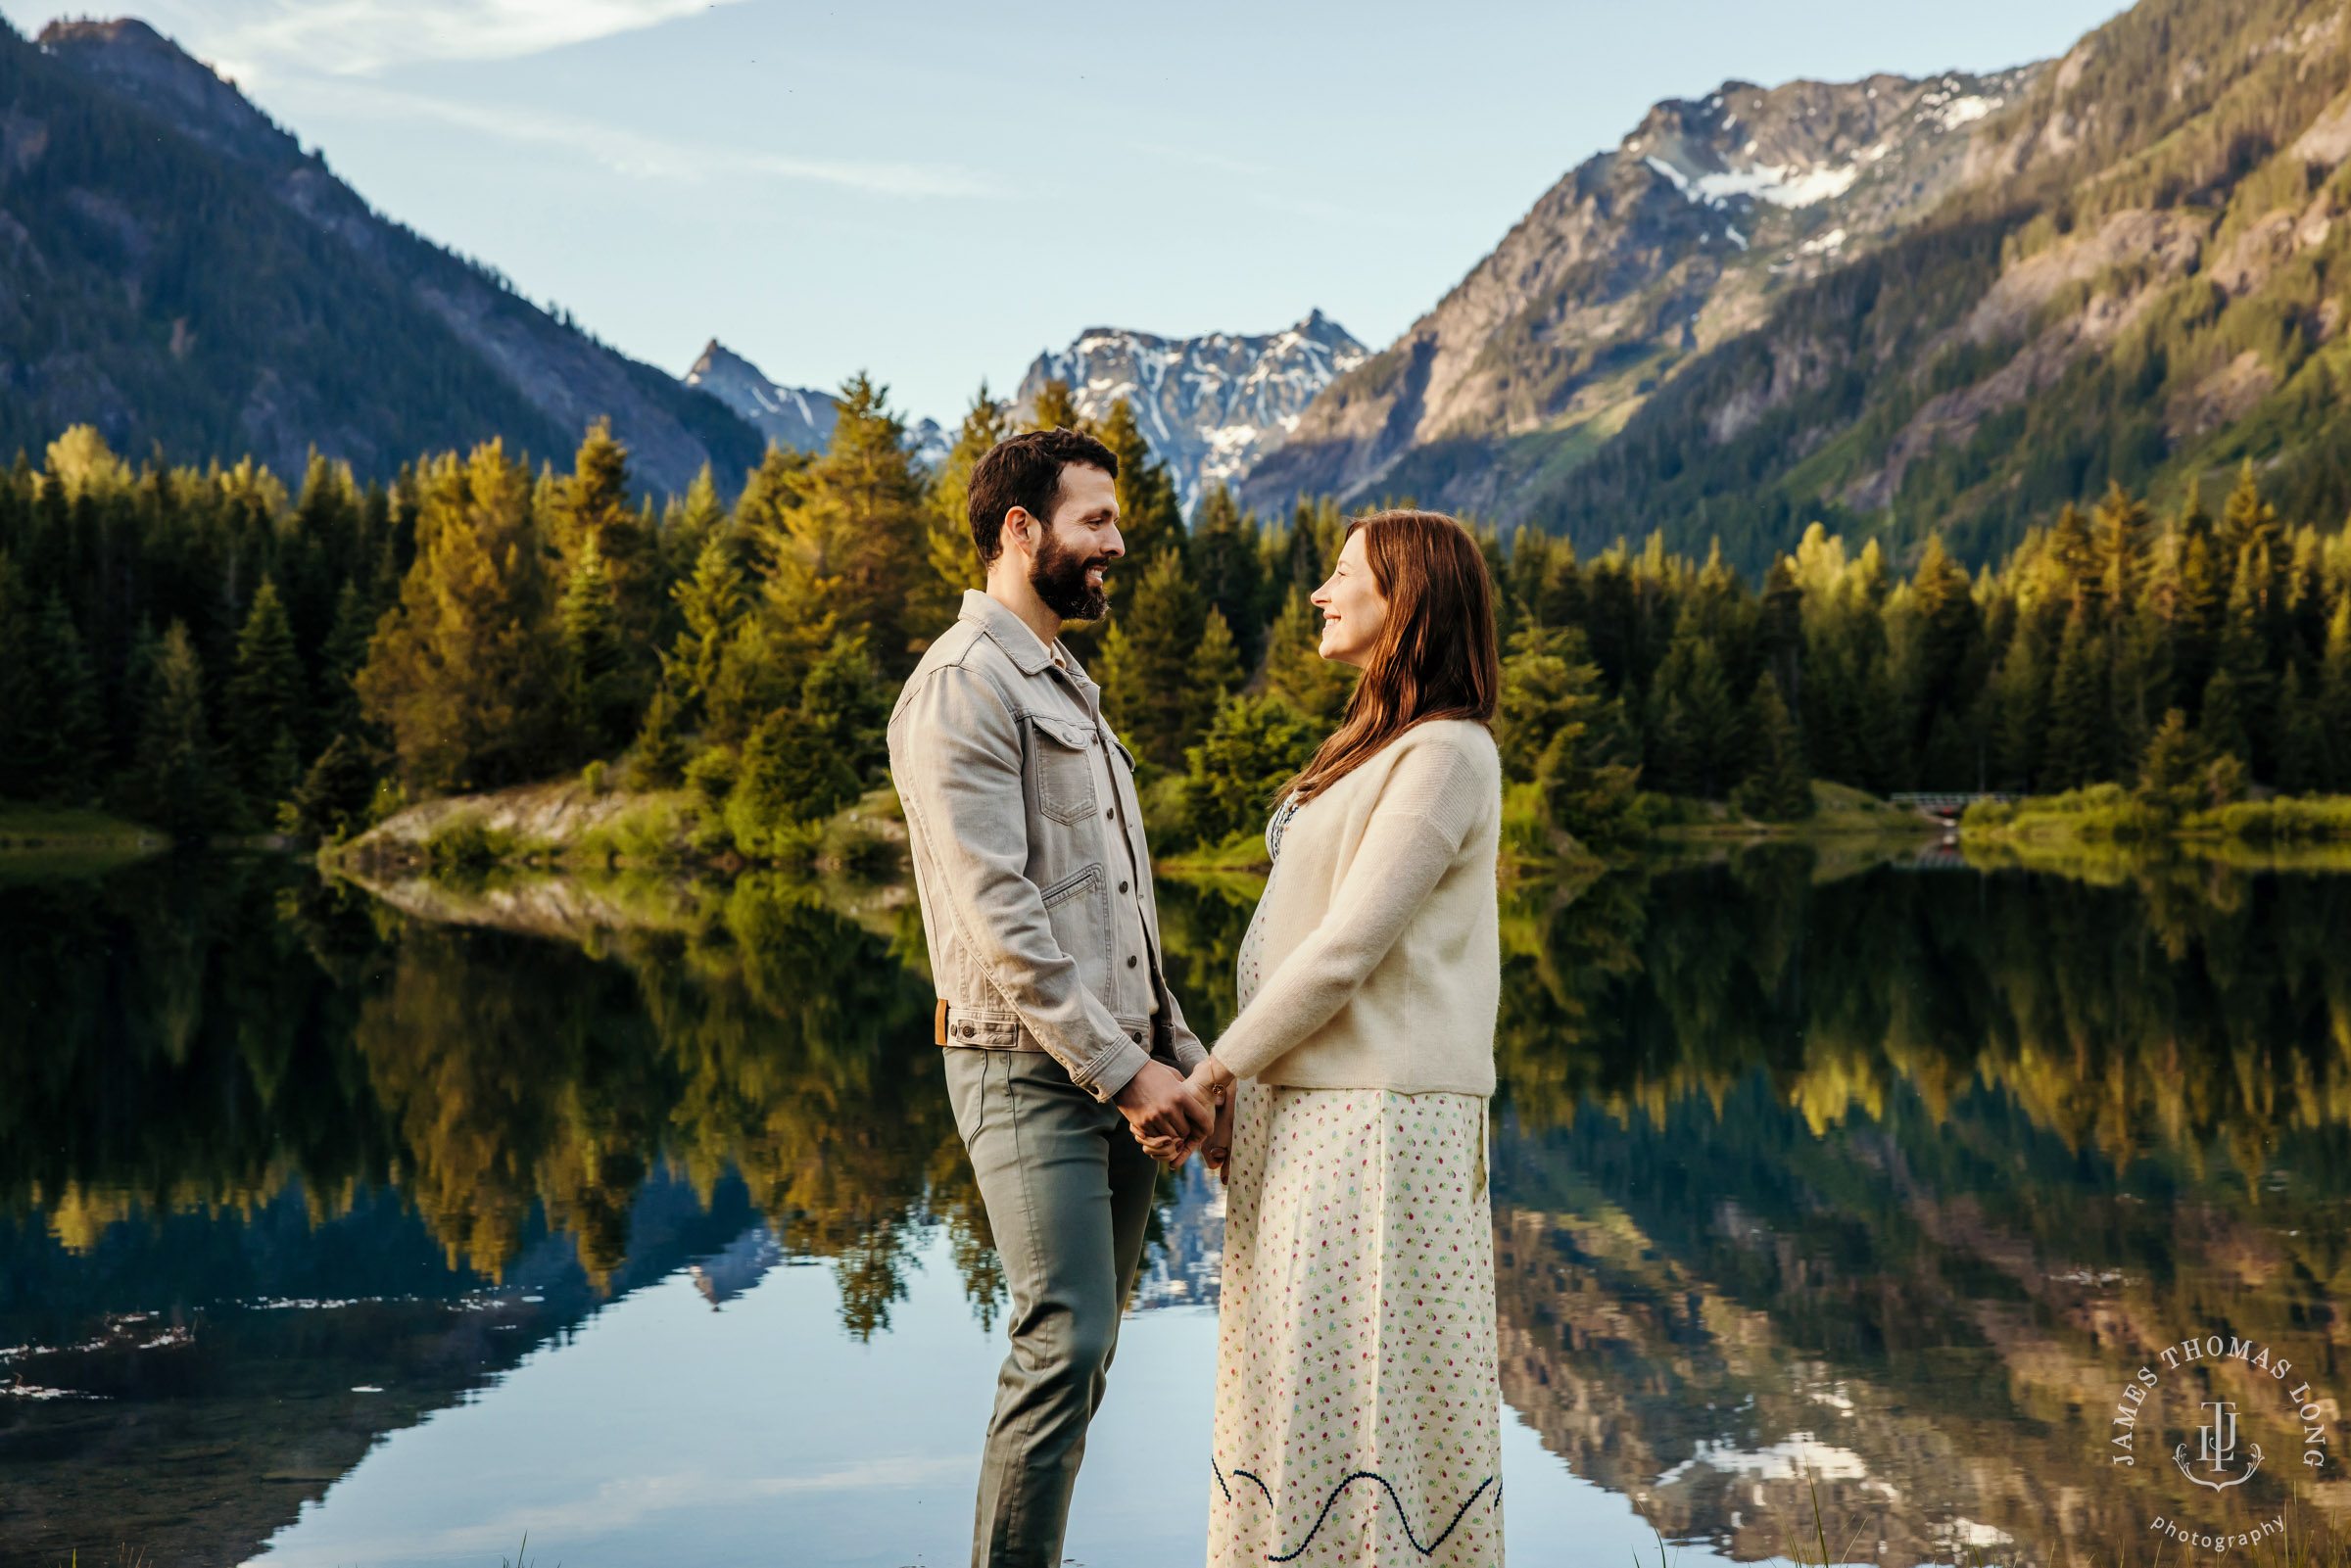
[1835,1201]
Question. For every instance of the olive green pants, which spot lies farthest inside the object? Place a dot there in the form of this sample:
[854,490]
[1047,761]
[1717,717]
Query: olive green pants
[1068,1192]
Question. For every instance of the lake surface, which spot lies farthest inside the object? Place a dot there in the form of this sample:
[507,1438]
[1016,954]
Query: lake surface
[1834,1202]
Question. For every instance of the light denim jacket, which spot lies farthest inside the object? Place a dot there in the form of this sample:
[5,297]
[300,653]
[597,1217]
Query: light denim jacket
[1016,858]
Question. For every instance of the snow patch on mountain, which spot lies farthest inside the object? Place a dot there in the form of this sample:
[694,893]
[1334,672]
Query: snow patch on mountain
[798,417]
[1210,406]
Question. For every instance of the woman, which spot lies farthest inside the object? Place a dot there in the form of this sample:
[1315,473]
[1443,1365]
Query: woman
[1357,1405]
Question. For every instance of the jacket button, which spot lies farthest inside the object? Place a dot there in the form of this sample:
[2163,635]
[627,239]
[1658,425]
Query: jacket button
[969,1032]
[1137,1036]
[1122,887]
[1130,961]
[1112,812]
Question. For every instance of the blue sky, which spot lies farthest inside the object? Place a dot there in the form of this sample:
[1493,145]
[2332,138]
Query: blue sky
[934,193]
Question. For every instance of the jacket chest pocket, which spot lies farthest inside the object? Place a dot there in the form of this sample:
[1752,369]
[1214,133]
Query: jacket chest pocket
[1078,910]
[1063,758]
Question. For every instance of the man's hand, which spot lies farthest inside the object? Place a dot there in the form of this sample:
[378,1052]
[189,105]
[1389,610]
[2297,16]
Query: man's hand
[1164,1110]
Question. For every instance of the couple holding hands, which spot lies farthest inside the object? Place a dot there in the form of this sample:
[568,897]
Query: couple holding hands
[1357,1412]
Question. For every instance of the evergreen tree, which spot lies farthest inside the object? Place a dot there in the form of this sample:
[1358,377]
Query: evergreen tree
[1554,727]
[2175,762]
[331,801]
[60,737]
[849,553]
[949,545]
[2301,747]
[790,777]
[176,781]
[265,707]
[2080,748]
[1945,673]
[1211,674]
[1056,410]
[340,659]
[1312,688]
[592,510]
[1145,660]
[597,703]
[710,602]
[2333,700]
[1225,560]
[1150,521]
[659,756]
[847,708]
[465,674]
[16,695]
[1775,788]
[1694,741]
[1250,749]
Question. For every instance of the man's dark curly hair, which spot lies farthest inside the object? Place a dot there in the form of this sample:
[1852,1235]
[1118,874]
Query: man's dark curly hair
[1024,471]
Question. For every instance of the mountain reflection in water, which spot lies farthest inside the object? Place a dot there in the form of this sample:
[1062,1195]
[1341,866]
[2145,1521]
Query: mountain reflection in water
[1872,1187]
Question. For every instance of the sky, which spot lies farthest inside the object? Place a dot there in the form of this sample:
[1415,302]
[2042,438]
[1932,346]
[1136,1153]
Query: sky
[933,193]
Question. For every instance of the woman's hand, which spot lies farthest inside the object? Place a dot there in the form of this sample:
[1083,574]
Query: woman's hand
[1216,1152]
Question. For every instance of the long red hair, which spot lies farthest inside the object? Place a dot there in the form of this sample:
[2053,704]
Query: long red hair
[1435,657]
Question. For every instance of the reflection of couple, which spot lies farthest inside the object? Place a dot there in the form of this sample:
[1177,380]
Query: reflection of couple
[1357,1415]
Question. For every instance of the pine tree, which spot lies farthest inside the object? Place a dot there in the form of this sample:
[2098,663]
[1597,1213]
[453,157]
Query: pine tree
[710,602]
[849,554]
[1314,688]
[1945,673]
[790,776]
[465,673]
[1150,520]
[1693,740]
[847,707]
[176,781]
[953,555]
[658,759]
[331,801]
[61,734]
[265,707]
[2301,747]
[1225,560]
[17,696]
[1775,788]
[598,704]
[1251,747]
[2173,765]
[2333,700]
[1145,661]
[1555,727]
[341,658]
[592,508]
[2080,748]
[1211,674]
[1056,410]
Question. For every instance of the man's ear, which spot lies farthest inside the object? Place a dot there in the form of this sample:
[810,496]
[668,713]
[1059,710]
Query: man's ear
[1020,524]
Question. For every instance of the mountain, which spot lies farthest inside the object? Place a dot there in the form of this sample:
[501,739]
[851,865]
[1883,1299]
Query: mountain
[797,418]
[1212,406]
[183,274]
[1899,307]
[1625,273]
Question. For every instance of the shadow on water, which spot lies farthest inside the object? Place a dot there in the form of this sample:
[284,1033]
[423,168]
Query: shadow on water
[1880,1181]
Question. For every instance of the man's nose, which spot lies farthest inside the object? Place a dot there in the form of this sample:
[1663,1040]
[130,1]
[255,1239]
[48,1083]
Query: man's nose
[1113,544]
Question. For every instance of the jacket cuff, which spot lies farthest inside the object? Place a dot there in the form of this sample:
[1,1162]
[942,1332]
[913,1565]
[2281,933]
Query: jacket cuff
[1112,1070]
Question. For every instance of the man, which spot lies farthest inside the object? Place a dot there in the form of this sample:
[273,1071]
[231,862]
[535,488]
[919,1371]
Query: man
[1064,1044]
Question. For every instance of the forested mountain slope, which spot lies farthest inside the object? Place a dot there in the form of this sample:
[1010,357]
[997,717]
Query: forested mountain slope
[1624,274]
[2128,273]
[182,274]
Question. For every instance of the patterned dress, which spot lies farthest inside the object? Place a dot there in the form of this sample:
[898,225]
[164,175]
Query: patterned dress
[1358,1401]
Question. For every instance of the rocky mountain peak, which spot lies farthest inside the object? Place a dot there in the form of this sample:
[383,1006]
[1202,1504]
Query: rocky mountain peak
[1213,405]
[131,59]
[1638,260]
[798,417]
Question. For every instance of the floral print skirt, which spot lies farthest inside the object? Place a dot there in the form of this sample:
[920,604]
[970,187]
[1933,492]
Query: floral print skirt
[1359,1410]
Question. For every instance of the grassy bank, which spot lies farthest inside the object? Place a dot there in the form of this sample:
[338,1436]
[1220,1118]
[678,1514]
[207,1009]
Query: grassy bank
[41,842]
[2109,814]
[1839,811]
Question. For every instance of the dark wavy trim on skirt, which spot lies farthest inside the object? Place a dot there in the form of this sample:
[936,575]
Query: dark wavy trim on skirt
[1331,1502]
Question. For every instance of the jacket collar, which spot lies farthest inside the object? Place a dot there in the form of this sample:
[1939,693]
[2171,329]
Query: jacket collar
[1006,630]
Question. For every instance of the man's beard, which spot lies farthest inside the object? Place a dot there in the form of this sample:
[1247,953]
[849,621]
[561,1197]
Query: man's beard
[1059,577]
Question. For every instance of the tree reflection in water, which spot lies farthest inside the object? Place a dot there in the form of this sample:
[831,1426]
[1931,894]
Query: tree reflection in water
[1888,1177]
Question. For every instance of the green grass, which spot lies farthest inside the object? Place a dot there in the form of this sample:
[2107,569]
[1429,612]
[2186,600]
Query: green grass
[2110,813]
[25,825]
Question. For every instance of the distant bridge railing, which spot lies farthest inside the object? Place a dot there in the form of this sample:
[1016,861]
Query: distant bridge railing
[1946,806]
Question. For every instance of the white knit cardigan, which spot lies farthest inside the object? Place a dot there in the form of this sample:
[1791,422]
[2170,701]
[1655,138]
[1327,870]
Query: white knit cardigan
[1382,948]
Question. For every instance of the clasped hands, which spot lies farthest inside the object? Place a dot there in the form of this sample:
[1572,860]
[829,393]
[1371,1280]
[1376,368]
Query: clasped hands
[1173,1116]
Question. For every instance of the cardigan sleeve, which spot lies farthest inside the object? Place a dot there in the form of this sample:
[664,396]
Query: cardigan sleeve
[1416,832]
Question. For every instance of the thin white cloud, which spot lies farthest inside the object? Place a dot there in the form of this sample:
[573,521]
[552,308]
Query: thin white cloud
[633,155]
[250,38]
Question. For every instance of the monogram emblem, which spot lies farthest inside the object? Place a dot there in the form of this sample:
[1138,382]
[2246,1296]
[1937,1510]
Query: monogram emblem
[2216,1449]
